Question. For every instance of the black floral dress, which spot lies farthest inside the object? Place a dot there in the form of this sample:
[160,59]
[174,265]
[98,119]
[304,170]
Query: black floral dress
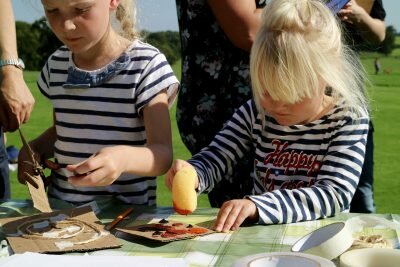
[215,82]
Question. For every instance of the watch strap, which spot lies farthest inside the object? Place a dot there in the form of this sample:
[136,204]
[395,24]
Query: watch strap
[13,61]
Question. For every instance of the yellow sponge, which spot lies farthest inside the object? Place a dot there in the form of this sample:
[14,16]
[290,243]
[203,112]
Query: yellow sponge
[184,195]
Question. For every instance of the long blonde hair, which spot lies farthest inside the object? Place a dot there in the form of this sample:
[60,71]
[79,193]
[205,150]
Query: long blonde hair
[298,46]
[126,15]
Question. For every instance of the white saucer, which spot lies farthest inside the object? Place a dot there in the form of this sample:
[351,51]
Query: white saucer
[282,259]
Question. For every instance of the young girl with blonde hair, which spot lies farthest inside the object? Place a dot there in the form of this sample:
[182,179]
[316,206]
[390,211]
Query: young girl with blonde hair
[305,129]
[110,93]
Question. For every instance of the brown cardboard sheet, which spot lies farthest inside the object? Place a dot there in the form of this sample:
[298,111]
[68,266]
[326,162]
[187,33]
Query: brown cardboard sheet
[71,230]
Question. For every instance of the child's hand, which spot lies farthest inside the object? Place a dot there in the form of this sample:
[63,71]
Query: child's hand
[176,166]
[233,213]
[101,169]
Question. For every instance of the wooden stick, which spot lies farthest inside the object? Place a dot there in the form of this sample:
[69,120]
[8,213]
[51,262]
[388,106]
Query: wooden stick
[118,219]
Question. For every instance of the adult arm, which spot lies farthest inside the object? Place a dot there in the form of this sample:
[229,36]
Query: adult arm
[372,30]
[16,101]
[240,20]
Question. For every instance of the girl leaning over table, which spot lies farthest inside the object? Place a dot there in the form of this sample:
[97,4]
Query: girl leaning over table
[110,94]
[305,129]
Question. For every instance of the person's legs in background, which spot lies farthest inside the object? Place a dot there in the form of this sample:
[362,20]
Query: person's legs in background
[363,200]
[4,175]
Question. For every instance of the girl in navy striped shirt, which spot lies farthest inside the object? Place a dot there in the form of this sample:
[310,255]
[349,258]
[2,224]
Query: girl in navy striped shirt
[305,129]
[110,94]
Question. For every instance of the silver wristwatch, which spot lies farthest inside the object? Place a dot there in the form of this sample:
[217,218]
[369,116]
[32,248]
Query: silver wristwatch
[16,62]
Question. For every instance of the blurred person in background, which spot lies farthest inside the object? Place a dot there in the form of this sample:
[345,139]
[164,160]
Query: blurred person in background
[364,25]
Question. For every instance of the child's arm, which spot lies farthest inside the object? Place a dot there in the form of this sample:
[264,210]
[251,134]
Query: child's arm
[104,167]
[335,184]
[233,142]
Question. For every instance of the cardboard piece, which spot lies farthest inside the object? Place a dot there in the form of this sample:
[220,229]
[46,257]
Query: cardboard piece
[81,229]
[166,231]
[39,195]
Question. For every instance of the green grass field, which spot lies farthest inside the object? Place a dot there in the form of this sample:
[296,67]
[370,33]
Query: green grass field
[384,92]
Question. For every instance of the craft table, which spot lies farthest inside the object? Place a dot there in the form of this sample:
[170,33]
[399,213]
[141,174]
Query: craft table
[220,249]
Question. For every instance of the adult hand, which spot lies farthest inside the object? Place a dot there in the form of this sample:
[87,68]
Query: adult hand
[176,166]
[352,13]
[233,213]
[101,169]
[16,100]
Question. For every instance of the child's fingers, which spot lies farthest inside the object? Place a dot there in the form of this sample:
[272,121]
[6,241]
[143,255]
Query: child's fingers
[176,166]
[222,216]
[231,220]
[239,218]
[179,164]
[84,167]
[169,177]
[95,178]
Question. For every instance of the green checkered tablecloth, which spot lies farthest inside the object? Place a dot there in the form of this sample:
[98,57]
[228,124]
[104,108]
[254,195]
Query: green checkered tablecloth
[219,249]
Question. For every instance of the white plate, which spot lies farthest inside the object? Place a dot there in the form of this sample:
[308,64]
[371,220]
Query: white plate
[282,259]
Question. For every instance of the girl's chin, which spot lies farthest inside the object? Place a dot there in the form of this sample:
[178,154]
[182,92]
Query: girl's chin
[285,121]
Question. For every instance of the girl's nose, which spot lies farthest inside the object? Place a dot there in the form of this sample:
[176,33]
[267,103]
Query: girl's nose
[69,25]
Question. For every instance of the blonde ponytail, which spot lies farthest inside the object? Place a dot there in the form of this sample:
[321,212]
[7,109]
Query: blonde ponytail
[126,15]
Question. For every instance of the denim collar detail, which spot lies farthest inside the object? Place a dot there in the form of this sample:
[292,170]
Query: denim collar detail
[78,78]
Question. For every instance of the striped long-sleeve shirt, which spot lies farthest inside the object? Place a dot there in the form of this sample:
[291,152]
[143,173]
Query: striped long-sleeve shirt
[301,172]
[106,113]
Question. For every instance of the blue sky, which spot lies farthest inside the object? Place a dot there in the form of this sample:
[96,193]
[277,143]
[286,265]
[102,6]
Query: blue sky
[160,15]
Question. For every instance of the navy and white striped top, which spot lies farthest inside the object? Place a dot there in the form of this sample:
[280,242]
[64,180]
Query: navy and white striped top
[301,172]
[108,114]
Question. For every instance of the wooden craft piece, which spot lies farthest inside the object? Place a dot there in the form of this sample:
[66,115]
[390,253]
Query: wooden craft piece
[166,230]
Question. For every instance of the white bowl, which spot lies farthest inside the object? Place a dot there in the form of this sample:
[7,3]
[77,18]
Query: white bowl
[282,259]
[371,257]
[329,241]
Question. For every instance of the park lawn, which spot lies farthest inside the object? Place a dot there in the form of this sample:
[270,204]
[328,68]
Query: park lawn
[384,90]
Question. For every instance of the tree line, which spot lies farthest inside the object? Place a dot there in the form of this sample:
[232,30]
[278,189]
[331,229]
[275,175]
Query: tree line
[36,42]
